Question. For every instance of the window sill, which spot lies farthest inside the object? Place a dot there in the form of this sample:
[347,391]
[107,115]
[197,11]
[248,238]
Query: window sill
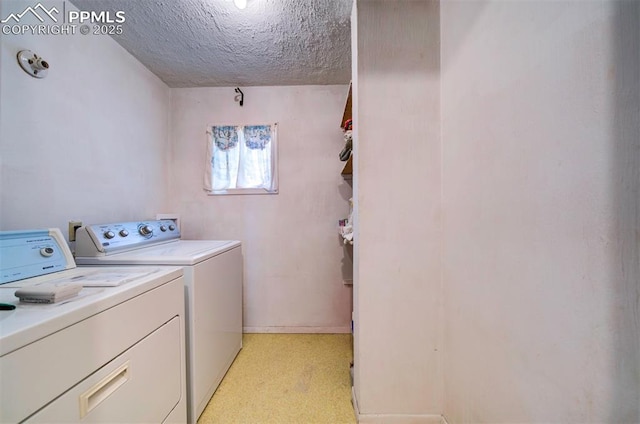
[233,191]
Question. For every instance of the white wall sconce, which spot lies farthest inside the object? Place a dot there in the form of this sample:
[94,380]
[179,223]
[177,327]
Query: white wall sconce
[33,64]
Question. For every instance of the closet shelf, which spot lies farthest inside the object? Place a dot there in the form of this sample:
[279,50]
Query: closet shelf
[346,115]
[346,124]
[347,170]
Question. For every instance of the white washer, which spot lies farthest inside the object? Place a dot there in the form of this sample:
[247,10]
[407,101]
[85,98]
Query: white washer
[111,353]
[213,291]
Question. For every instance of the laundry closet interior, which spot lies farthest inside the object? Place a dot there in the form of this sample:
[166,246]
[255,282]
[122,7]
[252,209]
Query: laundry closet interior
[452,185]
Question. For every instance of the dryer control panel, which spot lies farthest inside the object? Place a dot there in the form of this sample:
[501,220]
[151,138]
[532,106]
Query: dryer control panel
[32,253]
[104,239]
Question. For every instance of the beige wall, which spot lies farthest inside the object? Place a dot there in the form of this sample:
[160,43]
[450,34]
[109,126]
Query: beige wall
[541,142]
[396,75]
[539,165]
[292,251]
[87,142]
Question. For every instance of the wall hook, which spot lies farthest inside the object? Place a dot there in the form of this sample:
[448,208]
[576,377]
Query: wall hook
[241,96]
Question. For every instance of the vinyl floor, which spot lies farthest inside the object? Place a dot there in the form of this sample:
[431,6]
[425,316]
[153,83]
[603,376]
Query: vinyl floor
[286,379]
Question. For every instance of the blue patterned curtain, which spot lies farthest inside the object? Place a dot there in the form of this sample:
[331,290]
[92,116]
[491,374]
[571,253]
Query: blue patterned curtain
[225,137]
[257,136]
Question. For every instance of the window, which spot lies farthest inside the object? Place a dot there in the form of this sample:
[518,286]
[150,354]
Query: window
[241,159]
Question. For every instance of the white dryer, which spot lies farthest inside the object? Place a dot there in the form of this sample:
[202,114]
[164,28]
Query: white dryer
[111,352]
[213,274]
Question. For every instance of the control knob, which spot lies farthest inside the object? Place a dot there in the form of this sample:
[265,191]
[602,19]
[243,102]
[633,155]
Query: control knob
[124,233]
[163,228]
[146,230]
[46,251]
[172,227]
[109,234]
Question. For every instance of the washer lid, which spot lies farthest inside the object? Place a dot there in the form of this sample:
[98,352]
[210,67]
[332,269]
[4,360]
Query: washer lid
[180,252]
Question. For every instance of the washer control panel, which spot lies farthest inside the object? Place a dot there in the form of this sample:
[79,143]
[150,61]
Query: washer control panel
[102,239]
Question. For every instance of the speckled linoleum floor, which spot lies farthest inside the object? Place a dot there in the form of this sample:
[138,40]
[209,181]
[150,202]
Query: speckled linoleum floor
[286,379]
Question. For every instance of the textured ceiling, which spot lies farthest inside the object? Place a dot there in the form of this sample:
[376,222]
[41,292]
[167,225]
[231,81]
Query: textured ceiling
[211,43]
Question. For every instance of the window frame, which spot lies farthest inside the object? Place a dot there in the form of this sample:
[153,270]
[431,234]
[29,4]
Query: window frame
[208,182]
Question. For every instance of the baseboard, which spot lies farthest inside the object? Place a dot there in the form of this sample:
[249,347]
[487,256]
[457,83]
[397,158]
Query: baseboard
[290,330]
[393,418]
